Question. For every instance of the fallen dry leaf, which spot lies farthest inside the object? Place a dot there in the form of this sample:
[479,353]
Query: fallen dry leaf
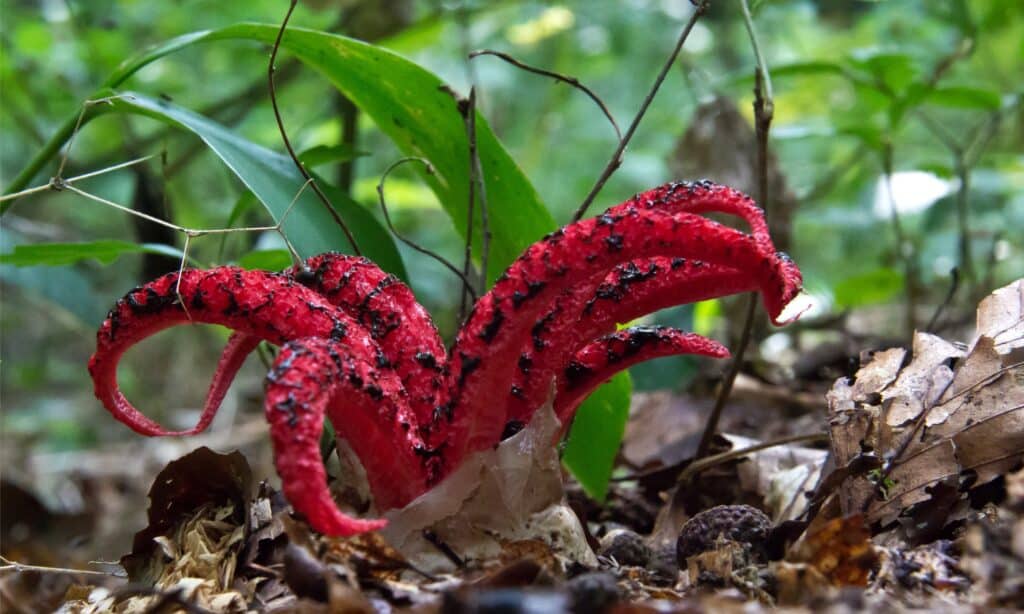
[951,414]
[499,496]
[840,550]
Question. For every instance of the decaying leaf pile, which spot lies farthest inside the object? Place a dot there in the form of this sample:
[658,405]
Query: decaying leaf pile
[919,502]
[934,424]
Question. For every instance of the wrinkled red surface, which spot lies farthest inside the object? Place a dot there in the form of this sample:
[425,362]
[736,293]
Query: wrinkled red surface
[630,291]
[358,348]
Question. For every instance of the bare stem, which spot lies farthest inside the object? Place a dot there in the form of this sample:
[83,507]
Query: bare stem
[904,251]
[467,261]
[287,143]
[953,285]
[572,81]
[476,177]
[711,461]
[423,250]
[9,565]
[58,184]
[764,110]
[616,159]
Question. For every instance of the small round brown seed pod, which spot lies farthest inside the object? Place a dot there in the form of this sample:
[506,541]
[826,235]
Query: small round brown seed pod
[626,547]
[738,523]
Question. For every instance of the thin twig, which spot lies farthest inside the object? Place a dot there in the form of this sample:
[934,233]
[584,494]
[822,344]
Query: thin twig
[465,42]
[387,219]
[904,250]
[9,565]
[119,207]
[193,231]
[954,283]
[707,462]
[616,159]
[88,104]
[58,184]
[764,111]
[833,175]
[181,271]
[711,426]
[572,81]
[444,548]
[467,107]
[476,177]
[762,65]
[467,259]
[287,143]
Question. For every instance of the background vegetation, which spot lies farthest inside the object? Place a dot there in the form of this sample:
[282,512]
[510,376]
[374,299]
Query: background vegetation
[926,94]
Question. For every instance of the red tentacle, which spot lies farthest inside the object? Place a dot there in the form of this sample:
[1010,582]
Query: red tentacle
[630,291]
[732,202]
[600,360]
[578,254]
[264,305]
[365,404]
[408,339]
[387,308]
[238,348]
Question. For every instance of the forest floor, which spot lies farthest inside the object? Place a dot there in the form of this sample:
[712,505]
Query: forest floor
[908,494]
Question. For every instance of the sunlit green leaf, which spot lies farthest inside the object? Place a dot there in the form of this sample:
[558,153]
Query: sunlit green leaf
[410,106]
[62,254]
[806,68]
[869,288]
[266,259]
[328,154]
[597,434]
[275,181]
[959,97]
[894,71]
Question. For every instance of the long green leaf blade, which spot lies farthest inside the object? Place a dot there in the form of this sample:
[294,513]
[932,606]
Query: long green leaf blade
[408,105]
[275,181]
[596,435]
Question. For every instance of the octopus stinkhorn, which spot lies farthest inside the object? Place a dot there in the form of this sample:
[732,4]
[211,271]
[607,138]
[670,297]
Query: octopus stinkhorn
[358,349]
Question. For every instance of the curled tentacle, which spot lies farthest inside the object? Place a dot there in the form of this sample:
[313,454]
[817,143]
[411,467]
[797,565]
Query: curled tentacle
[408,339]
[311,377]
[362,351]
[239,347]
[264,305]
[728,201]
[385,306]
[630,291]
[599,360]
[580,254]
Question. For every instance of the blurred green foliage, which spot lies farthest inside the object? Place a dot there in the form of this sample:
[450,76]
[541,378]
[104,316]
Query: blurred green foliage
[930,90]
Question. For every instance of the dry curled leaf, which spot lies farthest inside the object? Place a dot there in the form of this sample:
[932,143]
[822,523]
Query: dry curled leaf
[499,496]
[950,416]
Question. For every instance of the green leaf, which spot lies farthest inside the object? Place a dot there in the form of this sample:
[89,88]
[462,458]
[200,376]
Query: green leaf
[959,97]
[597,434]
[806,68]
[63,254]
[327,154]
[871,288]
[266,259]
[244,204]
[865,132]
[275,181]
[895,70]
[409,106]
[912,97]
[745,77]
